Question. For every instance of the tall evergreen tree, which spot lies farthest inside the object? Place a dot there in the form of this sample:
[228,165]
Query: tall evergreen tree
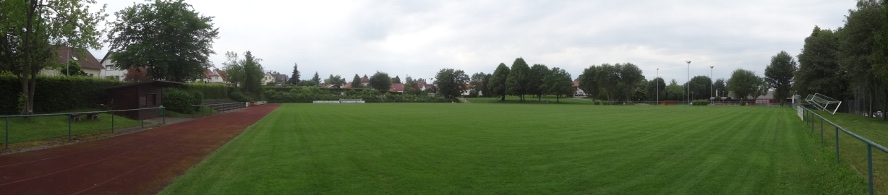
[294,79]
[316,78]
[356,82]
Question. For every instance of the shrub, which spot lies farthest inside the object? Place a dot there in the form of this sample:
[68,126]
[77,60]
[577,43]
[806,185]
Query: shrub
[700,102]
[210,90]
[178,100]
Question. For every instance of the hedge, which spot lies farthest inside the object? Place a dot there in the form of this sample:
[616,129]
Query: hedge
[210,90]
[55,93]
[306,94]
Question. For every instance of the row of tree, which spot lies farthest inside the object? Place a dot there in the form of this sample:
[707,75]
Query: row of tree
[521,80]
[851,62]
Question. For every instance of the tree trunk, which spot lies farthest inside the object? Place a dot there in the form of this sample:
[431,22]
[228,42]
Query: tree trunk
[503,98]
[27,109]
[557,100]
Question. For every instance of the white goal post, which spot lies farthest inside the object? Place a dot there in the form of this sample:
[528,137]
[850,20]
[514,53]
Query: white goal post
[823,102]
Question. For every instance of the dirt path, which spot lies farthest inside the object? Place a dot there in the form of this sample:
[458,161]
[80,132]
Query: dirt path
[138,163]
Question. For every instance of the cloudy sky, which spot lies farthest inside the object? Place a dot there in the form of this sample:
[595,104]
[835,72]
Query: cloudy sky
[418,38]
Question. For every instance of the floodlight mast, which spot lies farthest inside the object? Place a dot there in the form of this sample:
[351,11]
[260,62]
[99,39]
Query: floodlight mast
[689,82]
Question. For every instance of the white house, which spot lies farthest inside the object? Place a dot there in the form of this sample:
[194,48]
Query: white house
[109,70]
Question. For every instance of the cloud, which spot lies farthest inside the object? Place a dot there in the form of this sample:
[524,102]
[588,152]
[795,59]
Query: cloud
[418,38]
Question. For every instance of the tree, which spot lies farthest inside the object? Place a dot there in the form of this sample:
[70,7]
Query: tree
[675,91]
[857,49]
[779,75]
[396,79]
[73,69]
[451,83]
[253,75]
[497,85]
[701,87]
[744,83]
[294,79]
[335,81]
[535,86]
[316,78]
[519,79]
[168,37]
[356,82]
[721,90]
[819,70]
[588,82]
[410,86]
[558,83]
[30,28]
[631,80]
[246,73]
[136,75]
[656,89]
[478,83]
[381,82]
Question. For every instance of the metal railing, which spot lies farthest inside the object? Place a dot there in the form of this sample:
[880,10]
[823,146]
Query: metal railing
[809,117]
[219,107]
[76,115]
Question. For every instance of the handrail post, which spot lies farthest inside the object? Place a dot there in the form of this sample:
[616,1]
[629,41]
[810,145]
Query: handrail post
[869,159]
[112,120]
[6,143]
[821,135]
[837,144]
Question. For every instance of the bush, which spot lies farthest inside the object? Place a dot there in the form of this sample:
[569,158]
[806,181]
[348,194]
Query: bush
[700,102]
[240,97]
[178,100]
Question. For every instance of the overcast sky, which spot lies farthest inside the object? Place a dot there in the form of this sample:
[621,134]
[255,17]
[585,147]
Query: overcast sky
[418,38]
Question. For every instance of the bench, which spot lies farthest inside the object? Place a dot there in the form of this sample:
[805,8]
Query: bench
[79,116]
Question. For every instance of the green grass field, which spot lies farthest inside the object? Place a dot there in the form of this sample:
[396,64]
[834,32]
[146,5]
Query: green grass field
[522,149]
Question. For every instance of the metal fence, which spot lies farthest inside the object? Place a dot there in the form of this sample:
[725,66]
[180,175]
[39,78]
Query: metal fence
[812,119]
[72,118]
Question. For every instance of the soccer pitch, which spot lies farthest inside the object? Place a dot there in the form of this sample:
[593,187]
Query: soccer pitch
[522,149]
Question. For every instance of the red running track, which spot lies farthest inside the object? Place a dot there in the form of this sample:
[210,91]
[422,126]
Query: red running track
[138,163]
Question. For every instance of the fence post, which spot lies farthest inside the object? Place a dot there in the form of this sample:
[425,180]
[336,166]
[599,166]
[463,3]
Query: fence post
[821,135]
[869,159]
[837,144]
[70,116]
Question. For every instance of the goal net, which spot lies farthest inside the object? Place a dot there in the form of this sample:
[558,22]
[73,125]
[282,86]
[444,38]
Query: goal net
[824,102]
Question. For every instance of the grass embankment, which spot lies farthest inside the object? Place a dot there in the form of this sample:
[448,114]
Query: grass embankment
[48,127]
[851,150]
[522,149]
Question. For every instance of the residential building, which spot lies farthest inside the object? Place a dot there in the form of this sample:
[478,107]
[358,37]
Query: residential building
[110,70]
[64,54]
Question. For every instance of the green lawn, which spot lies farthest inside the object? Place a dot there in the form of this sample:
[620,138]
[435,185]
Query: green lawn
[47,127]
[522,149]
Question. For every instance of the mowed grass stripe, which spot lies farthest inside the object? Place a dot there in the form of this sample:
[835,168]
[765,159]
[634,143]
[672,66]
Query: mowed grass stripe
[516,148]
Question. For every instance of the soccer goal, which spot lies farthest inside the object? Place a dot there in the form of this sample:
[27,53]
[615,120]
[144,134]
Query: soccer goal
[824,102]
